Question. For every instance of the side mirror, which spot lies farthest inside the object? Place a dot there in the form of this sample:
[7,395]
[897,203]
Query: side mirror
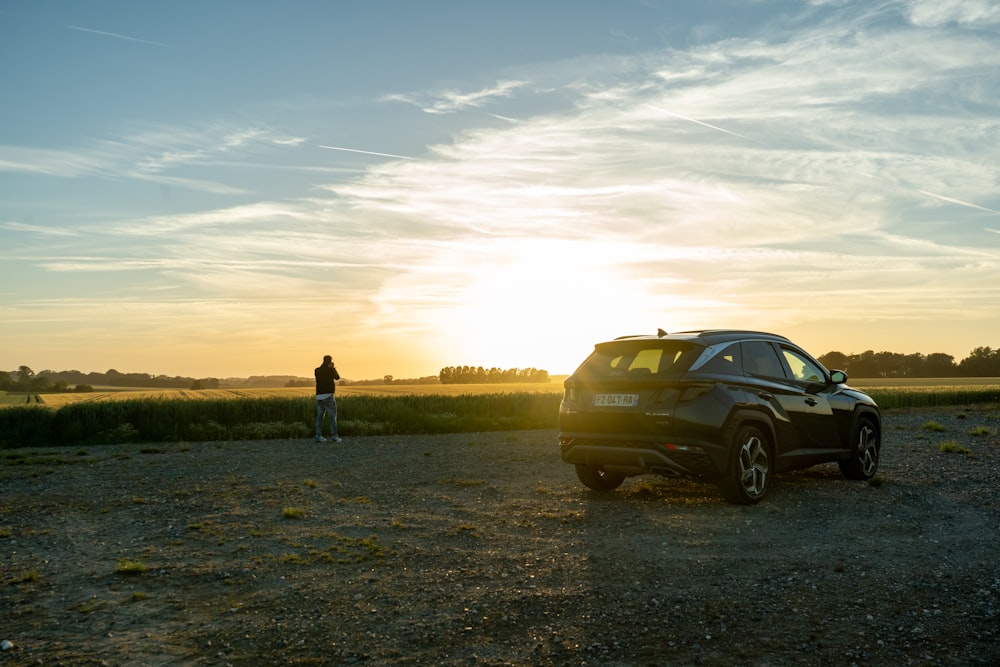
[838,377]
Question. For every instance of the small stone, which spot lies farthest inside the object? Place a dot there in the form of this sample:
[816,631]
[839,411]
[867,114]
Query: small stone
[6,645]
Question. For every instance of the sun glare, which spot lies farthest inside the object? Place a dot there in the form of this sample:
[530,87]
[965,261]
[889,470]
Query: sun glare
[536,311]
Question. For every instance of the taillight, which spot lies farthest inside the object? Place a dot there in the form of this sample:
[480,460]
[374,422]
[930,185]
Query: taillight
[570,393]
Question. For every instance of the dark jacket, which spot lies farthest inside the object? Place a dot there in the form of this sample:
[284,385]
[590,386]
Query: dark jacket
[326,377]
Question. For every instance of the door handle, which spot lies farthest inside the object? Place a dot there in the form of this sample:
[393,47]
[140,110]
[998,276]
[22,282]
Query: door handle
[811,401]
[765,395]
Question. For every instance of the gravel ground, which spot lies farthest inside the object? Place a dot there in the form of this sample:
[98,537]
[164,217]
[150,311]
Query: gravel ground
[484,549]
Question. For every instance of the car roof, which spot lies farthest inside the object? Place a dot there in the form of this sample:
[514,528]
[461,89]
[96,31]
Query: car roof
[709,337]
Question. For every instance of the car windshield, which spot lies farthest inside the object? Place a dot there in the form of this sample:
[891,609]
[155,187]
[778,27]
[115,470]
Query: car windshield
[638,359]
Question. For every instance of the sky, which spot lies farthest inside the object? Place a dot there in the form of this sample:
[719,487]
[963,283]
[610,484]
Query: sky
[233,188]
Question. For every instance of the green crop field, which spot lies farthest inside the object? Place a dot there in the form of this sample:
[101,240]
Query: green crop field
[249,414]
[911,383]
[929,392]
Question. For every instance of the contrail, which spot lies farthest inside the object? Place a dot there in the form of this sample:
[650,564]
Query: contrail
[355,150]
[116,36]
[959,202]
[503,118]
[692,120]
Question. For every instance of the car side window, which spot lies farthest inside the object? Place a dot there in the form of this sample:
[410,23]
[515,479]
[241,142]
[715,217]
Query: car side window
[760,359]
[802,369]
[726,361]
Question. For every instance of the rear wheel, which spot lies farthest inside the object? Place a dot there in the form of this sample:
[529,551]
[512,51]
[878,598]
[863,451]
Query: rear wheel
[597,478]
[746,479]
[865,446]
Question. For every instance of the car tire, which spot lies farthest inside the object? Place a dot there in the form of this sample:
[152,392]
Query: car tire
[748,474]
[597,478]
[865,447]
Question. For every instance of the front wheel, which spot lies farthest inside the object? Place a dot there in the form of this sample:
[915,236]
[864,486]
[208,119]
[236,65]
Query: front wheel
[865,446]
[749,472]
[597,478]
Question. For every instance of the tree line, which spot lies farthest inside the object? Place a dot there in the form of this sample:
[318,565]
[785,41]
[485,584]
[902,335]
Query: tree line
[25,379]
[982,362]
[480,375]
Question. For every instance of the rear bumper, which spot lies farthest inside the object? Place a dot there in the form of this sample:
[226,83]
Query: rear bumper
[639,457]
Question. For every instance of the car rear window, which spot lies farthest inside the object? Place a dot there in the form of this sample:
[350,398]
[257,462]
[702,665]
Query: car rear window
[638,359]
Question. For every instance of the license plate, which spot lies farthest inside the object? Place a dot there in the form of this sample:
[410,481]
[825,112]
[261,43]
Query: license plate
[616,400]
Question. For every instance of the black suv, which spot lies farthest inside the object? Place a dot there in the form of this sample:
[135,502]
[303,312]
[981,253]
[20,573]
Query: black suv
[732,406]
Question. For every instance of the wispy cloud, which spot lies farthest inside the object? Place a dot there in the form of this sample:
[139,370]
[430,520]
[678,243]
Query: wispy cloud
[159,155]
[37,229]
[452,101]
[51,162]
[932,13]
[248,214]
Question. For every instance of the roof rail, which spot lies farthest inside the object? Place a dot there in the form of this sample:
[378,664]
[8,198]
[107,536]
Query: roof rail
[738,332]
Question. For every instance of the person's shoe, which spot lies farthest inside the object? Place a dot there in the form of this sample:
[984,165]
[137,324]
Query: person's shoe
[337,438]
[320,438]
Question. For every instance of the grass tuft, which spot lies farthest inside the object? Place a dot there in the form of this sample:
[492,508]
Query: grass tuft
[28,576]
[950,446]
[130,567]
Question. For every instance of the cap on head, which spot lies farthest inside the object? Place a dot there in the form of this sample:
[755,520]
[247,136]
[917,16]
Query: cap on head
[327,358]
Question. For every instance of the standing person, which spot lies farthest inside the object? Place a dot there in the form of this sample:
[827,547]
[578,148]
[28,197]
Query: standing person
[326,378]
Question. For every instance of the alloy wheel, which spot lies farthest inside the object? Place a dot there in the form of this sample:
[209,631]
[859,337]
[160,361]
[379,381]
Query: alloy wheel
[867,449]
[754,466]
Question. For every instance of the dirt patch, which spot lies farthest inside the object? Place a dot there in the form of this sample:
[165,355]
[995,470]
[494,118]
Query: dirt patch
[485,549]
